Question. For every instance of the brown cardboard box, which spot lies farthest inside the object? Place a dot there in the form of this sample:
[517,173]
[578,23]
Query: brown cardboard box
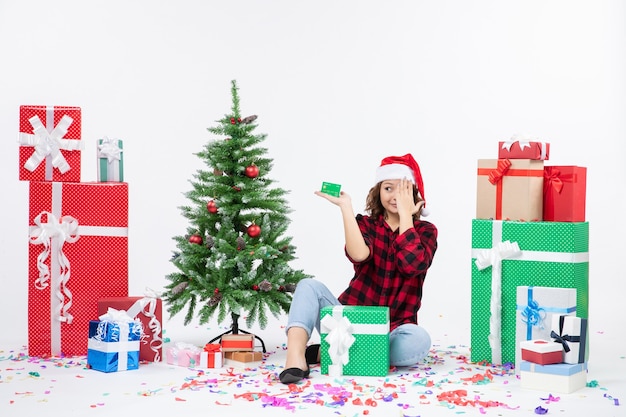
[509,189]
[244,357]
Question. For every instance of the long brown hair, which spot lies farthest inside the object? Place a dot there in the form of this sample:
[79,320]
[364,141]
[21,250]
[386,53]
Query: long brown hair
[374,207]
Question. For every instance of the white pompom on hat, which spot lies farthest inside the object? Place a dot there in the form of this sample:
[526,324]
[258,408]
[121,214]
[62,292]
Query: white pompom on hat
[399,167]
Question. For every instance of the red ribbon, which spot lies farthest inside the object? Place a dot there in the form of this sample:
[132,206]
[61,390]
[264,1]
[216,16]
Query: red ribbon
[551,178]
[212,347]
[497,174]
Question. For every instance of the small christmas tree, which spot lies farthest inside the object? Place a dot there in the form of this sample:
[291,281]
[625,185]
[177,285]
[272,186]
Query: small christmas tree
[235,256]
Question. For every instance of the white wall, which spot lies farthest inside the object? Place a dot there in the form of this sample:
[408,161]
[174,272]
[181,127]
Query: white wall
[337,86]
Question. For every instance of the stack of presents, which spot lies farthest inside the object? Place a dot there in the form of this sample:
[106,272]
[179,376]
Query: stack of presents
[78,301]
[530,267]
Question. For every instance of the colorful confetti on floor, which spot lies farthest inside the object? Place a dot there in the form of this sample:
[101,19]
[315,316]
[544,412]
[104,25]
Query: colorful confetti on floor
[445,384]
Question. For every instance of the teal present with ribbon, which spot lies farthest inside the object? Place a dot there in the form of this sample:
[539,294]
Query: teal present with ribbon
[354,340]
[110,160]
[535,308]
[114,342]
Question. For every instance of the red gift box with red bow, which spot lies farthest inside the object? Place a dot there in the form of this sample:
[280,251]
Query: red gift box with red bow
[564,193]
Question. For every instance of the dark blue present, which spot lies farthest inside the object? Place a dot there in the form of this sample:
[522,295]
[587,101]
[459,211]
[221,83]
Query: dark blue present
[113,345]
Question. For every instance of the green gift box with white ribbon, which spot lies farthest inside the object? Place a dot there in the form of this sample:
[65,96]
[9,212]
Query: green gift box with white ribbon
[354,340]
[508,254]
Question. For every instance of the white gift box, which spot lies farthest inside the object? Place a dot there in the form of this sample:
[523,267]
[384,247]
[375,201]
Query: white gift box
[572,333]
[563,378]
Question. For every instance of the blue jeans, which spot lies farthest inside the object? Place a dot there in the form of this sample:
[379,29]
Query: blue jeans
[408,343]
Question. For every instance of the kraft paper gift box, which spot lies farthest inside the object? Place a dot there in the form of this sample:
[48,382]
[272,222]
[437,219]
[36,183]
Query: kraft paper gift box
[542,352]
[572,333]
[535,308]
[563,378]
[237,342]
[110,160]
[509,189]
[509,254]
[183,354]
[50,143]
[114,342]
[564,193]
[523,149]
[244,357]
[78,254]
[149,310]
[354,340]
[211,356]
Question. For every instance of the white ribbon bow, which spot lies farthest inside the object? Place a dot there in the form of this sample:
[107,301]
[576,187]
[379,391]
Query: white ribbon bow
[120,321]
[139,307]
[52,234]
[524,141]
[339,338]
[110,149]
[493,257]
[49,143]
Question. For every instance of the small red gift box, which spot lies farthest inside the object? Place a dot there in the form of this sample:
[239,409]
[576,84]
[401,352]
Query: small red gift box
[235,342]
[523,149]
[509,189]
[149,310]
[50,145]
[564,193]
[542,352]
[78,254]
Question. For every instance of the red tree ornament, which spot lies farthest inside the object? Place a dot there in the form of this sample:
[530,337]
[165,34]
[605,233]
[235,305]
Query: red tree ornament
[211,207]
[255,287]
[196,239]
[254,230]
[252,171]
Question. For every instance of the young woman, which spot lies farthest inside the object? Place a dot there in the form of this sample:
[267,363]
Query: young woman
[391,250]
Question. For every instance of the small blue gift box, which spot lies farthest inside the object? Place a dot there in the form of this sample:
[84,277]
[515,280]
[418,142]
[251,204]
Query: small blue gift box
[113,345]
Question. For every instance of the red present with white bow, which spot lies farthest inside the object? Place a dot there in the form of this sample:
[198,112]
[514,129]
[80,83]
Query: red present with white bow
[149,310]
[543,352]
[564,193]
[524,147]
[50,143]
[78,254]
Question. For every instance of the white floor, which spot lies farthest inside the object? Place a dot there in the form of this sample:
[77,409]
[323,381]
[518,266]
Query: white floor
[65,387]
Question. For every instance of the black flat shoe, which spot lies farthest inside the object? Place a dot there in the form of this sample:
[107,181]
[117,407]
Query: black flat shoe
[293,375]
[312,353]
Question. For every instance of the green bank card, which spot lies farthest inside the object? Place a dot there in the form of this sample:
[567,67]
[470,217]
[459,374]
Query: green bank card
[331,189]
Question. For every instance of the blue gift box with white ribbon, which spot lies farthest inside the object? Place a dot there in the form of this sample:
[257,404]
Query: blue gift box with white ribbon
[113,344]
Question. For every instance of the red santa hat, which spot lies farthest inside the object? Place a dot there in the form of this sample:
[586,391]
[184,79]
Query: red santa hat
[398,167]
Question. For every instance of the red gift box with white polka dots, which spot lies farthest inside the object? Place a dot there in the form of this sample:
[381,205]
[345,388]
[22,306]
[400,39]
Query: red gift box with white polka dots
[50,143]
[78,254]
